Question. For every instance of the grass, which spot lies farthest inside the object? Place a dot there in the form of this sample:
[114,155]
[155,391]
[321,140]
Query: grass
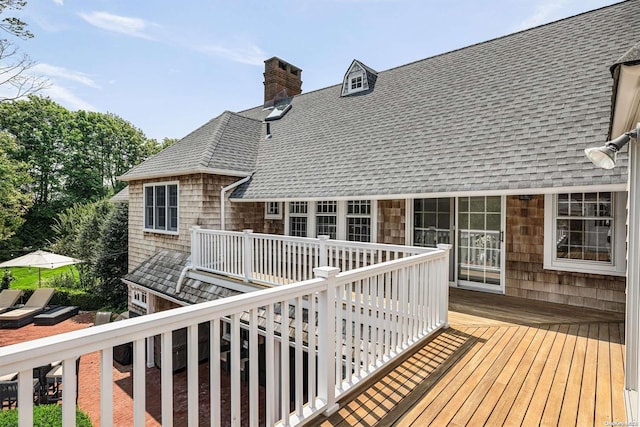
[27,277]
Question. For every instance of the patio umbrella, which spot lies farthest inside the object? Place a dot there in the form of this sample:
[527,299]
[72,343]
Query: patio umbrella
[40,259]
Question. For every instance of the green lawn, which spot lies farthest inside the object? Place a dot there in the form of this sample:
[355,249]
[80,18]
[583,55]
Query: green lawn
[27,277]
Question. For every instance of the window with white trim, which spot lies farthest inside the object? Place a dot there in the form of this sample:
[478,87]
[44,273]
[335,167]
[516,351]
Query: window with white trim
[139,298]
[298,219]
[584,232]
[273,210]
[327,219]
[359,220]
[161,207]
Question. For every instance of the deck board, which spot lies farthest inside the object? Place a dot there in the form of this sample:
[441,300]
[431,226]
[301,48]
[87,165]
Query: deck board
[503,361]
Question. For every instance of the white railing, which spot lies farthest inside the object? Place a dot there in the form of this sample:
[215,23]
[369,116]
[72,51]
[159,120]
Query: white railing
[339,329]
[278,260]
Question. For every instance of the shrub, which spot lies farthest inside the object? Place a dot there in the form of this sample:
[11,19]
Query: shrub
[7,278]
[43,416]
[84,300]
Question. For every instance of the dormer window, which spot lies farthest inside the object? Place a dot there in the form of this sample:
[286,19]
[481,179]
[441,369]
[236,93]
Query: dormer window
[356,83]
[359,78]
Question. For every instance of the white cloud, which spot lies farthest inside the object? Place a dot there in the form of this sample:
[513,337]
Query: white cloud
[545,12]
[53,71]
[59,2]
[135,27]
[251,54]
[67,98]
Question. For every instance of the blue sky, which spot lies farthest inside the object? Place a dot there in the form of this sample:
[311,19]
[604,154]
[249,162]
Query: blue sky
[169,66]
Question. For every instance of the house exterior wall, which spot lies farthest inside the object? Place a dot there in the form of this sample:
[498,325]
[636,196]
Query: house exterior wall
[525,276]
[198,204]
[391,221]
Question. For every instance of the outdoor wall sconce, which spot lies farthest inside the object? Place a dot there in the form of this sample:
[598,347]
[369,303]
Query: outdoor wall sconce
[605,157]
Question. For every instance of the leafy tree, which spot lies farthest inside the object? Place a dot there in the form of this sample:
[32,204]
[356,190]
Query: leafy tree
[14,67]
[14,196]
[112,257]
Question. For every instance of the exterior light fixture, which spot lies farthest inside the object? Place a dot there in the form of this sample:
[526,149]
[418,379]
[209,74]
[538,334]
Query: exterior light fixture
[605,157]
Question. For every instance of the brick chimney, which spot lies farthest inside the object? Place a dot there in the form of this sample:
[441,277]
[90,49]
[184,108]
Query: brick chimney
[280,78]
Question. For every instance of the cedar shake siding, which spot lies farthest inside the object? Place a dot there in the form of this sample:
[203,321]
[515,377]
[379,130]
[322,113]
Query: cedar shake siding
[391,221]
[525,276]
[198,204]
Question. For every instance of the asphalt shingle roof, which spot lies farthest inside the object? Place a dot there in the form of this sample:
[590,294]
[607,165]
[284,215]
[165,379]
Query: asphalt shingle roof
[511,113]
[507,115]
[227,142]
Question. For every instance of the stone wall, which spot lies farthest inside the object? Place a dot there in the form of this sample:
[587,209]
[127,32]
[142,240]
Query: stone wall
[391,221]
[526,277]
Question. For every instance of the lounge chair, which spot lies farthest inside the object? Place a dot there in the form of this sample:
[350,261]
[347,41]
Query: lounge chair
[56,315]
[34,306]
[8,298]
[102,317]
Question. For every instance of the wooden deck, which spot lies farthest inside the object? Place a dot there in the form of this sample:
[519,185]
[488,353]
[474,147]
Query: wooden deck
[503,361]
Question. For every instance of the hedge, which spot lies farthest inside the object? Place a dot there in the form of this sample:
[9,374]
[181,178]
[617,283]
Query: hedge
[44,416]
[86,301]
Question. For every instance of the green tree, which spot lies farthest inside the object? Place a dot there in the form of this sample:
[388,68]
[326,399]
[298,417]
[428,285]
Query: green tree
[14,194]
[112,257]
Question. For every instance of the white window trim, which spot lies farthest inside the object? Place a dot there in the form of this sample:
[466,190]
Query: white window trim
[136,298]
[618,266]
[268,215]
[341,229]
[144,208]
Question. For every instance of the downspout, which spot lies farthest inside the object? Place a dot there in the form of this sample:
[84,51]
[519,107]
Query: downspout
[222,197]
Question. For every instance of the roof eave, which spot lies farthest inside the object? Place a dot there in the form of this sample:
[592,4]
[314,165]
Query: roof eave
[194,171]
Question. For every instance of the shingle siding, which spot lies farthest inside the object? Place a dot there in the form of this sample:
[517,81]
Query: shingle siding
[526,277]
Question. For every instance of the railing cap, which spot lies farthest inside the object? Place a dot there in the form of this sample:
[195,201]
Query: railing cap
[326,272]
[445,246]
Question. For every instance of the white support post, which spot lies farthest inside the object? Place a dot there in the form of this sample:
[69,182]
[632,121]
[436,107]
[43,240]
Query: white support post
[69,392]
[327,338]
[247,255]
[632,323]
[195,246]
[323,251]
[444,277]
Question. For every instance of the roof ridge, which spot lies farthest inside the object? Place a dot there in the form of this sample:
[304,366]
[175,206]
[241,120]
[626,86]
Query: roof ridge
[217,135]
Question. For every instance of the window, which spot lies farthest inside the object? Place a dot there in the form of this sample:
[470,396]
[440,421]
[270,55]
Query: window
[298,219]
[161,207]
[356,82]
[431,221]
[139,298]
[359,221]
[327,219]
[585,232]
[273,210]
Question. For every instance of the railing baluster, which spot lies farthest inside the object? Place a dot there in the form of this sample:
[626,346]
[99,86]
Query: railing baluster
[270,398]
[192,376]
[25,399]
[236,415]
[139,392]
[166,378]
[285,394]
[311,353]
[348,330]
[299,350]
[214,373]
[358,319]
[253,375]
[106,387]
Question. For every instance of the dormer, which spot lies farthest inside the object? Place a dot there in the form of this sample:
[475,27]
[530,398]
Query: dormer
[359,78]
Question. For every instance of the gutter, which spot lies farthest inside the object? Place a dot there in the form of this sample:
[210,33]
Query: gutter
[223,192]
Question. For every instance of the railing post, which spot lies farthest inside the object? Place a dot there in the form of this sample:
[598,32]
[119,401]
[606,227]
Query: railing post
[444,275]
[195,246]
[327,335]
[247,255]
[324,257]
